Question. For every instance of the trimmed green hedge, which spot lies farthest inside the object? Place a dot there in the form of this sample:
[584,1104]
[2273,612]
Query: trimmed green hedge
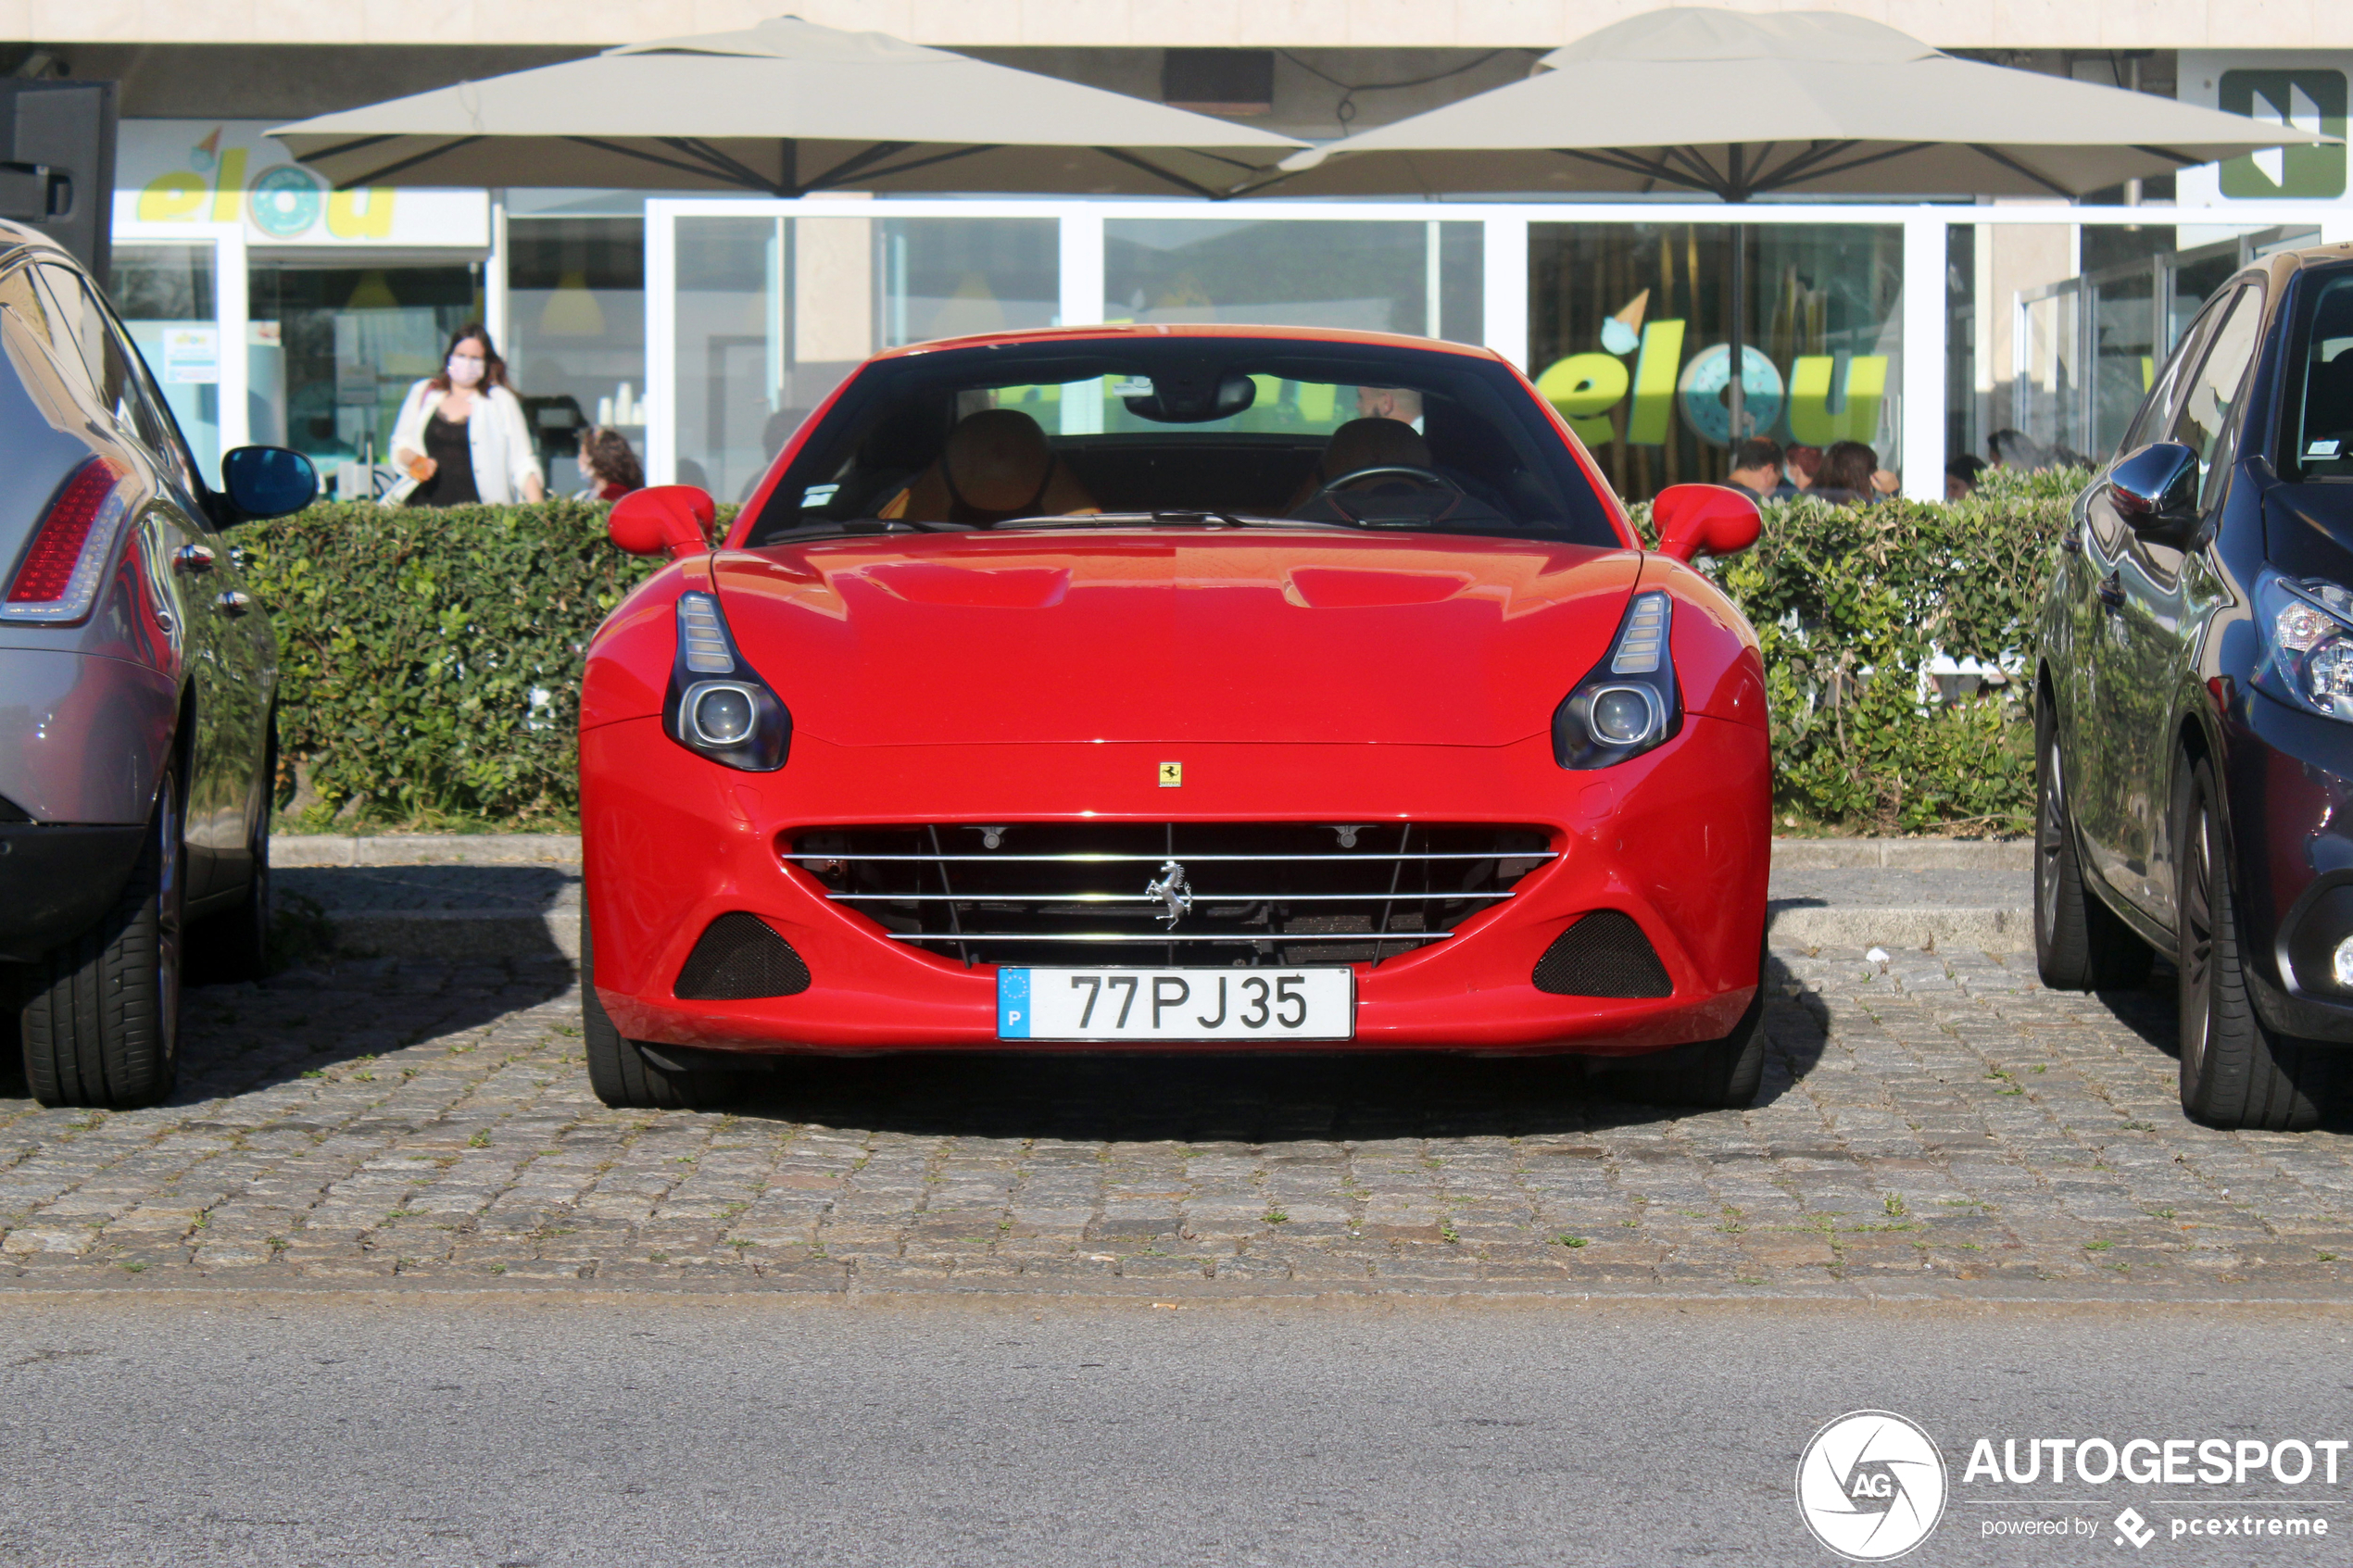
[430,660]
[1852,603]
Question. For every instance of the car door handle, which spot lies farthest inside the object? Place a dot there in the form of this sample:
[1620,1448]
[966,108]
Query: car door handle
[2111,590]
[193,557]
[233,603]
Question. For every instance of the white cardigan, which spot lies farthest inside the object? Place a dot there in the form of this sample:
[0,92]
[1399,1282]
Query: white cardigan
[495,430]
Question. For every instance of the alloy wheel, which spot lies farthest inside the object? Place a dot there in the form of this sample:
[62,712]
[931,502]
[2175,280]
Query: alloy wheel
[2049,820]
[170,858]
[2197,940]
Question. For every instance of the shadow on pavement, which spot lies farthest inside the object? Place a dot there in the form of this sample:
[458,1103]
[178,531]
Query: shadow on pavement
[238,1039]
[1238,1098]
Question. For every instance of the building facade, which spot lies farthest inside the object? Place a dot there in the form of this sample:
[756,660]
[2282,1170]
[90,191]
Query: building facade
[275,308]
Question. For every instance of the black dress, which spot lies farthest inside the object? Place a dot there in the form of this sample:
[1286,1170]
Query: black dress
[452,483]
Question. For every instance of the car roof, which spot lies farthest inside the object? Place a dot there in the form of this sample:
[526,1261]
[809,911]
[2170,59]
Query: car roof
[1131,333]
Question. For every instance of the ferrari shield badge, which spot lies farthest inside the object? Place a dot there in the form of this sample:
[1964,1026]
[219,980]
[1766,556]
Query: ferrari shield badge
[1172,775]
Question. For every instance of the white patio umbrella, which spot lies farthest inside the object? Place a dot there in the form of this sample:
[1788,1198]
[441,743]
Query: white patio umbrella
[1738,105]
[784,108]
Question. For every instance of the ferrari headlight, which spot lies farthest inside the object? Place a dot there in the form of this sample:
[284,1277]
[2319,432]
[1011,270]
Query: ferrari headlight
[2307,633]
[718,707]
[1627,703]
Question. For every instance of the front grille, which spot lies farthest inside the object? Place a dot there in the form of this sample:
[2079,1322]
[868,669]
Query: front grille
[738,957]
[1249,894]
[1604,954]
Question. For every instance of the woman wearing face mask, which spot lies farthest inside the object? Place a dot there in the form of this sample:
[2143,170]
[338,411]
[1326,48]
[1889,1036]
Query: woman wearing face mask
[460,435]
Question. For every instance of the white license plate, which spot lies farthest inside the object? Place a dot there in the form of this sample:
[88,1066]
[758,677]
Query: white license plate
[1175,1004]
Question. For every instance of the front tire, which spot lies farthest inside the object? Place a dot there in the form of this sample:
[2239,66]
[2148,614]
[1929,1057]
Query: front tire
[2080,945]
[1715,1074]
[618,1070]
[2235,1072]
[102,1025]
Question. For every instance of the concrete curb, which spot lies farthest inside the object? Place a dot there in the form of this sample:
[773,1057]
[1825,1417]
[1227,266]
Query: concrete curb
[1934,927]
[1904,854]
[87,1283]
[458,935]
[303,850]
[539,848]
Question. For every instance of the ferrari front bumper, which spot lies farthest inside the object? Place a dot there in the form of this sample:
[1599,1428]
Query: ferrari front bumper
[1678,839]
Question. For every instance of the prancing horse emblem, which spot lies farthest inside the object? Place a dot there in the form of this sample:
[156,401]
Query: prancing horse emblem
[1171,888]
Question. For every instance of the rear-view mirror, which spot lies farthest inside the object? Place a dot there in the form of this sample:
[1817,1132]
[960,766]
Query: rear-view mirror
[1705,519]
[2155,491]
[666,519]
[1194,396]
[264,482]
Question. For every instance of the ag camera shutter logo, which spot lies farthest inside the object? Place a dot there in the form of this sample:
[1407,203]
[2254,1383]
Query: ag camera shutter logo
[1871,1485]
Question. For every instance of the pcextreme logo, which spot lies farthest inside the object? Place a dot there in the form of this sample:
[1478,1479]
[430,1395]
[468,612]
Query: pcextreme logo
[1871,1485]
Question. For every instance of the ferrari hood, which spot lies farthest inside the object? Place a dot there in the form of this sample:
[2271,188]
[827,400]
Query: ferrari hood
[1174,636]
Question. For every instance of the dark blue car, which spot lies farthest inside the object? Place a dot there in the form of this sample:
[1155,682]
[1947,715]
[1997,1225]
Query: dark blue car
[2194,705]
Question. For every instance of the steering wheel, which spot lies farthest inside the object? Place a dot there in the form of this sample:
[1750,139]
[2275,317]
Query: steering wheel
[1331,493]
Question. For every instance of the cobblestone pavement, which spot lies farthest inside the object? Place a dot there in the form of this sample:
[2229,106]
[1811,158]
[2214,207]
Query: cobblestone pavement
[1936,1125]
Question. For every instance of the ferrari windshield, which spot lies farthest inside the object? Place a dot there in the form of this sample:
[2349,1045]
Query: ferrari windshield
[1187,428]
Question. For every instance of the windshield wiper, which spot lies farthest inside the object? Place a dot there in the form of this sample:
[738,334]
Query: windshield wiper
[1223,520]
[1171,517]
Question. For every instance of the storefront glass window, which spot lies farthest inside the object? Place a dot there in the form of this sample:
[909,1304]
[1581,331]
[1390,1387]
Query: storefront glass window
[332,350]
[1626,331]
[1422,278]
[164,295]
[2125,351]
[577,331]
[771,313]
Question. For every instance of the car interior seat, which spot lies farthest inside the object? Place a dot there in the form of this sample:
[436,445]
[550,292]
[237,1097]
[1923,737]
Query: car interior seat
[996,465]
[1360,445]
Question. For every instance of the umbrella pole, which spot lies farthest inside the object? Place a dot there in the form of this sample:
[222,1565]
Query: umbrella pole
[1735,308]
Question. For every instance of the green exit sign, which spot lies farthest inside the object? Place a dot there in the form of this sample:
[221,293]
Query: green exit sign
[2304,100]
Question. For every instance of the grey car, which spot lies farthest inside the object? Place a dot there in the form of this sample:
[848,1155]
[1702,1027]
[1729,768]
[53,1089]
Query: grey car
[137,683]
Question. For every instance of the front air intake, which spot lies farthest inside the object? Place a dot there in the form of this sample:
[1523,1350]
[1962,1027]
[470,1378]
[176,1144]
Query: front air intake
[1604,954]
[739,959]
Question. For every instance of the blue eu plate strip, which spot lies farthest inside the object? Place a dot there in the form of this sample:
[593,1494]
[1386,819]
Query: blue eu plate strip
[1012,1004]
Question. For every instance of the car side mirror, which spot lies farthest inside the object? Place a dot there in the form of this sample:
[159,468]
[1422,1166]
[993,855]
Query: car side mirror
[672,519]
[1705,519]
[264,482]
[2155,491]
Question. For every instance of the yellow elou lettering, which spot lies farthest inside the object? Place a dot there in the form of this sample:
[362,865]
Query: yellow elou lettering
[359,215]
[1584,387]
[1866,386]
[1655,372]
[229,188]
[170,196]
[1810,420]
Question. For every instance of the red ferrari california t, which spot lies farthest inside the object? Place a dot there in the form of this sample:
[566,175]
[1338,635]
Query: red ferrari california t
[1175,688]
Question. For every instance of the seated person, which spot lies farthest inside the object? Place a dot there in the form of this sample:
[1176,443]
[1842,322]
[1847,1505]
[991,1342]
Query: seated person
[1377,442]
[1390,403]
[995,466]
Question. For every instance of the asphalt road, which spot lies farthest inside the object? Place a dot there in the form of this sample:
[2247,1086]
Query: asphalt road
[508,1429]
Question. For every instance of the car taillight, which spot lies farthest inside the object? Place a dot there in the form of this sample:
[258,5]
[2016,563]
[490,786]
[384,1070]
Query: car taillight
[58,578]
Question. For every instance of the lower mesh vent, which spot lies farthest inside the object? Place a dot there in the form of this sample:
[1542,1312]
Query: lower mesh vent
[739,959]
[1604,954]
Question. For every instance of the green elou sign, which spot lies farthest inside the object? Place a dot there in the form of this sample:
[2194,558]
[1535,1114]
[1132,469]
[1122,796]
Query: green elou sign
[1822,406]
